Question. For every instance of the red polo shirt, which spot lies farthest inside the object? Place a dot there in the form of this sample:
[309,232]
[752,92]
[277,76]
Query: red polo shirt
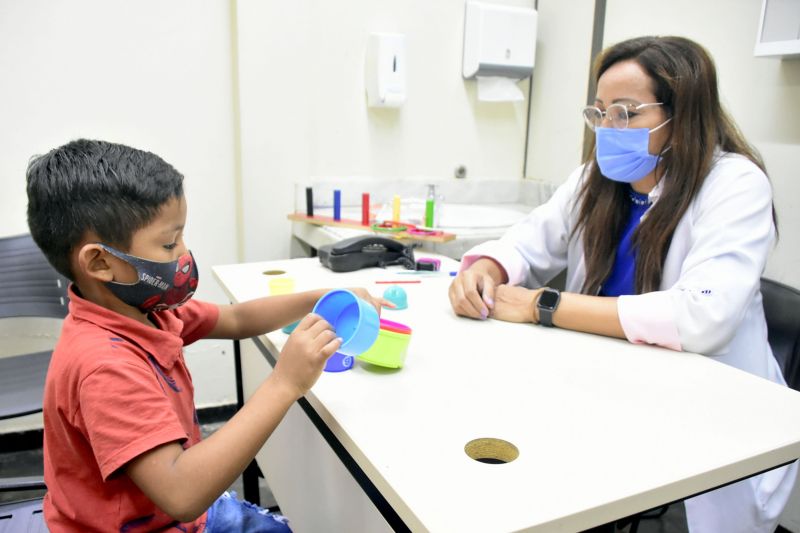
[115,389]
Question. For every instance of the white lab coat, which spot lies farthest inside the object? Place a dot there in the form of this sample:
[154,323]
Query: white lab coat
[709,302]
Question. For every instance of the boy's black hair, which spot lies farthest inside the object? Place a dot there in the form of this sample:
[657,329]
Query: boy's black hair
[85,185]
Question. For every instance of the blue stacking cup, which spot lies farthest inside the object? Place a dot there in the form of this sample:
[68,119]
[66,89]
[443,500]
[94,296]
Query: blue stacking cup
[354,320]
[339,363]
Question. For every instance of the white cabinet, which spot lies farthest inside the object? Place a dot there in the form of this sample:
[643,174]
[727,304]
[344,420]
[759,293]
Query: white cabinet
[779,29]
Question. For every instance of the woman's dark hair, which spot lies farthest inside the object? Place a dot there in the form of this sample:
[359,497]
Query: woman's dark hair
[685,81]
[110,189]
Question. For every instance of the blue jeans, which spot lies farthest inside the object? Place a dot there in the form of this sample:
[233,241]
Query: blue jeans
[230,515]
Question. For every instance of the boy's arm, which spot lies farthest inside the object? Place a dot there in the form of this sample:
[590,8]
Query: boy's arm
[256,317]
[184,483]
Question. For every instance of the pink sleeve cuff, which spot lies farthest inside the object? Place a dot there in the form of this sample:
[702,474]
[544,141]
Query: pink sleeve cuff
[468,260]
[508,258]
[648,319]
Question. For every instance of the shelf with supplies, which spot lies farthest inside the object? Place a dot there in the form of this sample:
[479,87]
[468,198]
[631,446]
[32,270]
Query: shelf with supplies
[396,230]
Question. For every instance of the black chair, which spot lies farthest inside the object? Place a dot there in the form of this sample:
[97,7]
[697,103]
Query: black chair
[782,309]
[29,289]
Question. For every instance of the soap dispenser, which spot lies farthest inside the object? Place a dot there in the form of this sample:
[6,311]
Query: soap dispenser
[385,70]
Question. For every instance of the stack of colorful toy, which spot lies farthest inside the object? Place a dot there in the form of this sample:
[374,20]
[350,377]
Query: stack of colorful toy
[354,320]
[364,336]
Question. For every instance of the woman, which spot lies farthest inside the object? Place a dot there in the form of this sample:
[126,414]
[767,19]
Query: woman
[664,233]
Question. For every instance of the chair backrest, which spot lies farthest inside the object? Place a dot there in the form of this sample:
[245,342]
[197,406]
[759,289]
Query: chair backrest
[782,310]
[22,383]
[29,288]
[29,285]
[24,516]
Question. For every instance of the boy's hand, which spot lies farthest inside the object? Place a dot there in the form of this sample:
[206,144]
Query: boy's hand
[376,301]
[303,357]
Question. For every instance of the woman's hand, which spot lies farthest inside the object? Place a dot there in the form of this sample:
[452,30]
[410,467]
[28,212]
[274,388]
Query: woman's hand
[472,291]
[515,304]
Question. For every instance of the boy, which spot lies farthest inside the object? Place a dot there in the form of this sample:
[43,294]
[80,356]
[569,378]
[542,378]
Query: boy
[122,445]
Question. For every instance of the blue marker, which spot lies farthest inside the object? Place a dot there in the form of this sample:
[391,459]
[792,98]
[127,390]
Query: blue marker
[337,204]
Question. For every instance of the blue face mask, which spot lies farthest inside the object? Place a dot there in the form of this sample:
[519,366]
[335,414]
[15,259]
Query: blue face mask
[623,154]
[160,285]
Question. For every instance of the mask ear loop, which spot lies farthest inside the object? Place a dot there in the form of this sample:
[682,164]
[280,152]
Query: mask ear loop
[663,151]
[661,125]
[125,258]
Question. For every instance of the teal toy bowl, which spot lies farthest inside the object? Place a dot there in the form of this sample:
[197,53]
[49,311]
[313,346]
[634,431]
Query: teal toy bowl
[396,295]
[354,320]
[290,328]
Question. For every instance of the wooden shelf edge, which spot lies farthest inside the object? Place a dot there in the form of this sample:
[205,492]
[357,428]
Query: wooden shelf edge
[356,224]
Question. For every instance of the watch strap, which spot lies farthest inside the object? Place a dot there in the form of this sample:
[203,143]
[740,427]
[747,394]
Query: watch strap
[546,317]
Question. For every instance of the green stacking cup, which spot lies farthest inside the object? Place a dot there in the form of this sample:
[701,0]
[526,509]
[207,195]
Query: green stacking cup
[389,350]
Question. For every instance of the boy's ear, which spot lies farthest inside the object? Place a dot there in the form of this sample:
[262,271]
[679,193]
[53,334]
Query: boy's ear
[93,262]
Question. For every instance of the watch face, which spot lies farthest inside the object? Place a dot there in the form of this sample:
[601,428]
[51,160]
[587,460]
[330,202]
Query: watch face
[548,299]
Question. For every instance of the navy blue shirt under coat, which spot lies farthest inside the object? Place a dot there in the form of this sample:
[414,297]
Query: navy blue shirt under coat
[622,279]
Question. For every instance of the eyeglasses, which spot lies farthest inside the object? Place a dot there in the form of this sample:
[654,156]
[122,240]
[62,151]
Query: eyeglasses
[618,114]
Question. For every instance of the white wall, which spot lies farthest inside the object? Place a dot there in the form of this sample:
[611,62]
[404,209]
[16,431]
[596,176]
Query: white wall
[304,113]
[560,85]
[154,75]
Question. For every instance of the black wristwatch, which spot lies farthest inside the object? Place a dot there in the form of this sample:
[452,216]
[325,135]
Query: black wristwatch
[547,303]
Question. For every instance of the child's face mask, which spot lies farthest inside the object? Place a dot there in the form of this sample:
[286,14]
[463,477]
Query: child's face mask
[160,286]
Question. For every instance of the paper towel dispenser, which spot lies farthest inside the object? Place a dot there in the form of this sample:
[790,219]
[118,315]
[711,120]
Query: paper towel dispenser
[499,40]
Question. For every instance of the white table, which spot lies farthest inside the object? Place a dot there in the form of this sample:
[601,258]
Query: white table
[604,428]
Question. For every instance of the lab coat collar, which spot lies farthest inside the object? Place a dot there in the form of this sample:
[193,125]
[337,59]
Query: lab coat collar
[654,195]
